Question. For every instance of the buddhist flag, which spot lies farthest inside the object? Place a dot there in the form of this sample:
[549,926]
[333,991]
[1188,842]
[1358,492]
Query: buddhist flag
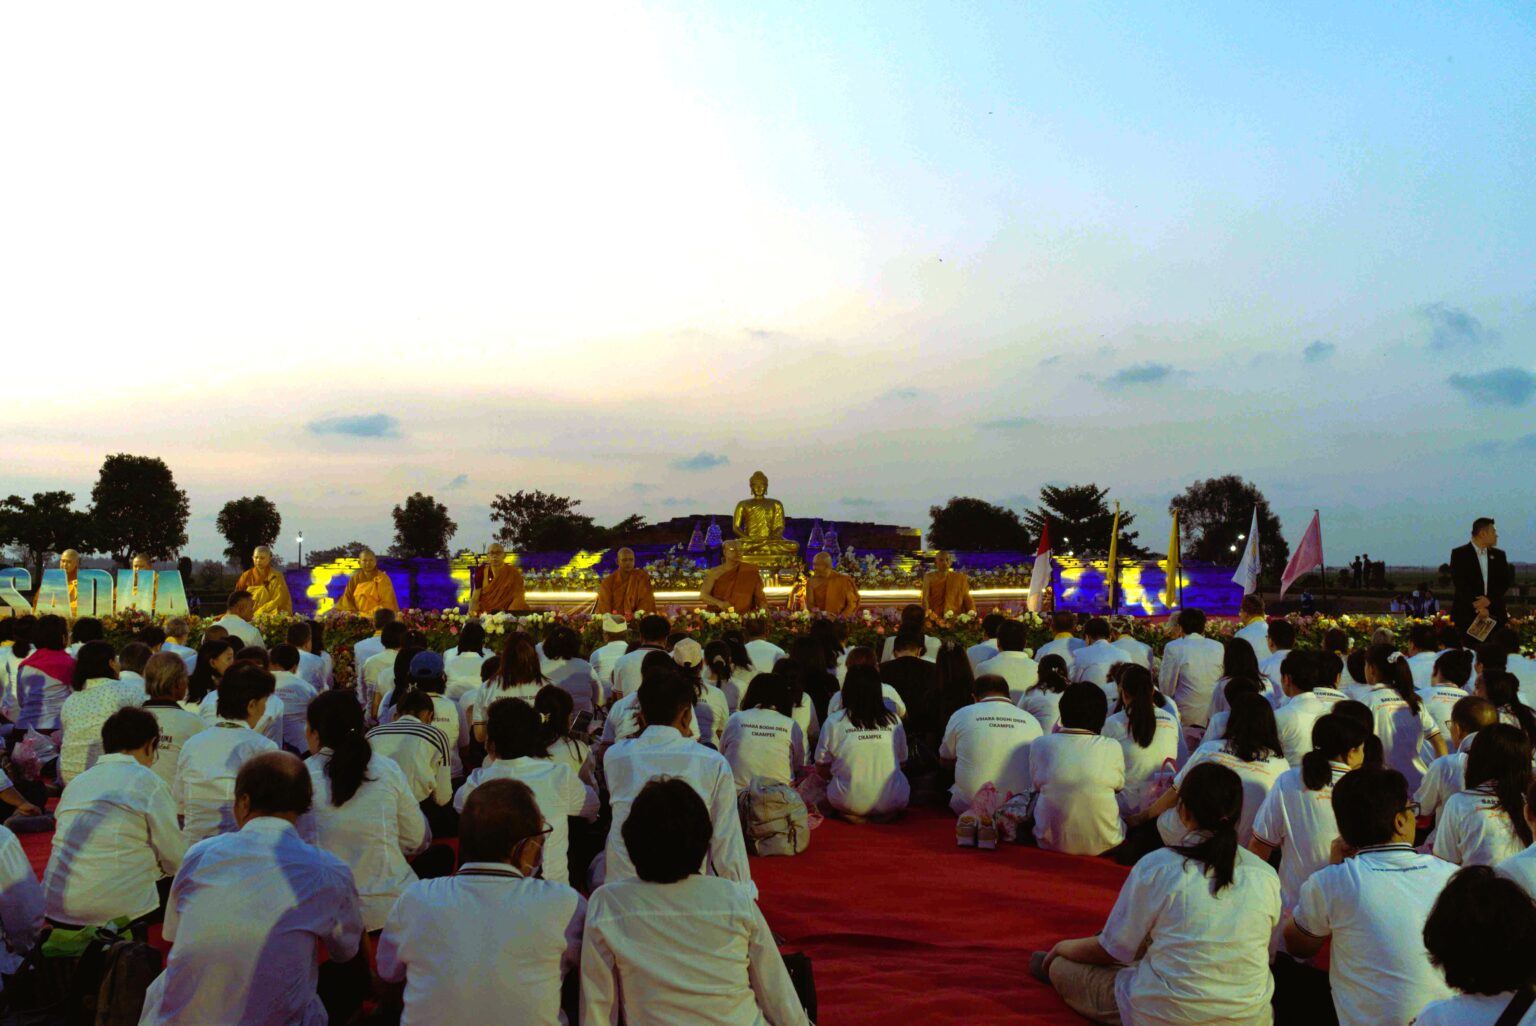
[1040,576]
[1308,555]
[1248,570]
[1113,571]
[1171,588]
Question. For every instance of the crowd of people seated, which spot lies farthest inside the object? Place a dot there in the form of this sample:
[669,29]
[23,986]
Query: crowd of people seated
[1268,798]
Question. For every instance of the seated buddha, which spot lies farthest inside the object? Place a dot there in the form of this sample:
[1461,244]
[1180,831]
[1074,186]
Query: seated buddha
[758,524]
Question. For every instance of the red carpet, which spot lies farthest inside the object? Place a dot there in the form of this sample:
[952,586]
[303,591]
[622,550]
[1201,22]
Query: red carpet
[897,919]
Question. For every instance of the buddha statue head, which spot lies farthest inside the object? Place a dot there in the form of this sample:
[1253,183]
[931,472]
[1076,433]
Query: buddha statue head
[759,484]
[261,558]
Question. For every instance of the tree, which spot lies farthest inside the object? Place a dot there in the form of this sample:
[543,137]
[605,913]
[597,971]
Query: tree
[622,532]
[1080,521]
[422,529]
[246,524]
[351,550]
[136,507]
[523,515]
[1213,512]
[967,523]
[46,525]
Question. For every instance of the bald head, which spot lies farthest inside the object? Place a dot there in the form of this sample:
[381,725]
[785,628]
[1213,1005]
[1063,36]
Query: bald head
[941,561]
[366,560]
[69,559]
[142,562]
[626,559]
[496,553]
[272,784]
[731,551]
[822,564]
[261,558]
[498,815]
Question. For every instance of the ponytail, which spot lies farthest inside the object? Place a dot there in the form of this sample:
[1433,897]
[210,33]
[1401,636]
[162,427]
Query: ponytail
[1501,758]
[555,708]
[1391,668]
[1213,795]
[1140,712]
[1333,738]
[1503,690]
[337,718]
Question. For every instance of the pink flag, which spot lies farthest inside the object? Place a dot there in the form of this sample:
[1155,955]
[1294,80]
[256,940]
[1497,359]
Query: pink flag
[1308,555]
[1040,576]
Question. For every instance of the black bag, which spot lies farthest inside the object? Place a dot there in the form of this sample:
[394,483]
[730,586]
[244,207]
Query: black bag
[799,965]
[125,968]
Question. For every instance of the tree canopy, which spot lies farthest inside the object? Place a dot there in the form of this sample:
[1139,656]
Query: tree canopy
[45,525]
[422,528]
[1213,512]
[320,557]
[1080,519]
[544,522]
[247,523]
[975,524]
[136,507]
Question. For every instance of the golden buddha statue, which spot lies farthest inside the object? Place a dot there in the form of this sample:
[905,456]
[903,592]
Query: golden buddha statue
[758,524]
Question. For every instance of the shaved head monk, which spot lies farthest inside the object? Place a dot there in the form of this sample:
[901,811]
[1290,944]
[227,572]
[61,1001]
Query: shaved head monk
[733,585]
[369,588]
[69,562]
[501,588]
[829,591]
[627,590]
[268,589]
[946,591]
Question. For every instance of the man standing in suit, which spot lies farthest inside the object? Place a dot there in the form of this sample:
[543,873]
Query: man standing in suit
[1481,576]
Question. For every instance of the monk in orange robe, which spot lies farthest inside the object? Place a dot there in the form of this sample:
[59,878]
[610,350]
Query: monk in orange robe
[369,589]
[828,591]
[733,585]
[69,562]
[501,585]
[267,587]
[626,590]
[946,591]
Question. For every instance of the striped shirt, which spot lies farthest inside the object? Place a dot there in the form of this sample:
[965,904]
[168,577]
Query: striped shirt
[421,752]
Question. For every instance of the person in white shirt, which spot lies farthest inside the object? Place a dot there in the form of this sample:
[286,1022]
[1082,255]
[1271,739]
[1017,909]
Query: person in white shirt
[1187,942]
[568,745]
[420,750]
[21,904]
[311,666]
[44,678]
[518,677]
[381,665]
[238,619]
[1228,689]
[369,647]
[1063,642]
[626,669]
[667,747]
[563,667]
[1423,653]
[602,660]
[1191,666]
[986,648]
[1372,902]
[861,751]
[1447,775]
[1484,824]
[1503,690]
[988,742]
[912,621]
[763,653]
[1012,662]
[517,750]
[461,664]
[1043,701]
[1447,686]
[1135,651]
[213,659]
[117,833]
[1078,775]
[271,723]
[1255,628]
[1237,663]
[130,669]
[710,710]
[1092,662]
[250,911]
[1480,935]
[624,720]
[1306,700]
[1402,721]
[1297,815]
[761,739]
[204,785]
[294,692]
[671,947]
[1521,867]
[1282,638]
[729,670]
[177,630]
[442,934]
[1147,728]
[98,694]
[165,678]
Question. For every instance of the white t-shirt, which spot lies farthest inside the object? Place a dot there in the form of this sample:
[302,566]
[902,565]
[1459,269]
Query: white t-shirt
[930,649]
[464,667]
[709,715]
[1092,662]
[1295,719]
[989,741]
[624,718]
[1256,633]
[1206,955]
[1138,652]
[1374,906]
[1044,705]
[1401,731]
[574,677]
[1446,776]
[1440,699]
[762,743]
[1300,823]
[1017,668]
[891,696]
[981,652]
[559,794]
[1142,765]
[1521,868]
[1191,667]
[764,654]
[1257,777]
[602,661]
[1474,830]
[866,766]
[810,723]
[735,686]
[1063,645]
[1471,1010]
[1077,775]
[626,671]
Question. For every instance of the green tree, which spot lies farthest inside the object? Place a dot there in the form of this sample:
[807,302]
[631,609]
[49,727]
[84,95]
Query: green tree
[974,524]
[45,525]
[1212,515]
[624,531]
[320,557]
[247,524]
[528,520]
[136,507]
[1080,520]
[422,529]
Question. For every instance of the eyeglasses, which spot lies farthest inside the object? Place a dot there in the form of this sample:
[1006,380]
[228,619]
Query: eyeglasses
[1412,807]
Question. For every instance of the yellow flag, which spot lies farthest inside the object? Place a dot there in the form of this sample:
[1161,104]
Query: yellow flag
[1114,570]
[1171,598]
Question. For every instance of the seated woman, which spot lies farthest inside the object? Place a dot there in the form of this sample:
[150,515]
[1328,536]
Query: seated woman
[1147,727]
[861,752]
[1078,774]
[562,666]
[762,739]
[1484,824]
[1044,699]
[728,667]
[1480,934]
[1231,687]
[688,947]
[1187,942]
[98,694]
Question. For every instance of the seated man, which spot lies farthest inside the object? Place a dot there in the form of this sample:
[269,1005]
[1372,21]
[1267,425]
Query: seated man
[241,609]
[295,693]
[986,648]
[987,742]
[946,592]
[1012,662]
[827,591]
[250,910]
[733,586]
[440,932]
[1093,660]
[204,788]
[1063,642]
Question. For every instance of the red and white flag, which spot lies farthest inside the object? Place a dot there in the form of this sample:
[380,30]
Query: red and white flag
[1040,576]
[1308,555]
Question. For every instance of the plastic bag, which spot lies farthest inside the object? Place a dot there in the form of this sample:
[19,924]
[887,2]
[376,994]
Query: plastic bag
[812,790]
[1159,782]
[985,803]
[32,753]
[1011,816]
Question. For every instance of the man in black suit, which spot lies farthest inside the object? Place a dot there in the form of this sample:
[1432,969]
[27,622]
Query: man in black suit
[917,682]
[1481,576]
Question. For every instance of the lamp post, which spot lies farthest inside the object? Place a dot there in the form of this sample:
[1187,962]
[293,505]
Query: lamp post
[301,548]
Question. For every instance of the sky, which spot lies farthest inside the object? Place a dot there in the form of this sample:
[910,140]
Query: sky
[888,253]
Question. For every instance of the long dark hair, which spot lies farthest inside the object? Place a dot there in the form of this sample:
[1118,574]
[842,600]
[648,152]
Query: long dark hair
[738,643]
[337,718]
[555,707]
[717,657]
[1053,674]
[1333,738]
[824,631]
[1213,794]
[1251,733]
[956,678]
[864,702]
[1394,673]
[1501,756]
[519,663]
[23,627]
[768,691]
[816,678]
[204,678]
[1503,690]
[472,639]
[1141,699]
[92,661]
[1239,660]
[794,679]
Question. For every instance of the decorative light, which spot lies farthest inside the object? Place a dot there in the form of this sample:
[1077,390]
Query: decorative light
[1234,548]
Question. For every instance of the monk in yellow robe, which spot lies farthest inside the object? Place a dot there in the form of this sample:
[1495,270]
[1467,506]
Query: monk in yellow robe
[69,562]
[828,591]
[626,590]
[733,585]
[267,587]
[369,589]
[946,591]
[501,585]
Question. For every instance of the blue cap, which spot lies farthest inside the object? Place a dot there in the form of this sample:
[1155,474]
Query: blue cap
[426,666]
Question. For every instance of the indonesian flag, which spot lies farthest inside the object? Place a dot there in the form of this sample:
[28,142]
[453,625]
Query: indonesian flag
[1248,570]
[1308,555]
[1040,576]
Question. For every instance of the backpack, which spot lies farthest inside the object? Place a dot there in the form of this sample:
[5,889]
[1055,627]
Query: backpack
[124,968]
[774,820]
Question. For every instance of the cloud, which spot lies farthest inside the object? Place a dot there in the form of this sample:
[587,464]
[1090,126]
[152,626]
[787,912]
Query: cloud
[370,425]
[1318,351]
[1007,423]
[1523,444]
[905,395]
[456,483]
[1451,327]
[641,488]
[676,501]
[859,502]
[1139,374]
[703,461]
[1506,386]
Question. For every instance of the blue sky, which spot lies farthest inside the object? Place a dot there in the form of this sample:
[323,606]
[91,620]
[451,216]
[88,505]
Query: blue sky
[887,253]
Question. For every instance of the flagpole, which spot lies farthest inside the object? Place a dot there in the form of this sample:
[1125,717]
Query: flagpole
[1319,517]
